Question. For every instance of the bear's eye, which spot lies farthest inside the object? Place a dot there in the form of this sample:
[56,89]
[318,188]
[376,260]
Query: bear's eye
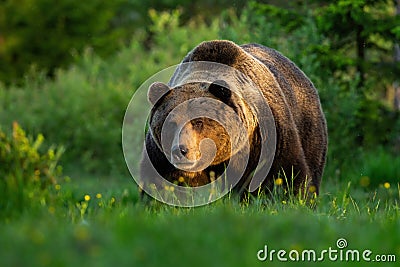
[198,124]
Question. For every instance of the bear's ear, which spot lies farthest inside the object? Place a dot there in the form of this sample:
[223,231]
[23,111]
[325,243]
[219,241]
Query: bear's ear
[156,91]
[220,89]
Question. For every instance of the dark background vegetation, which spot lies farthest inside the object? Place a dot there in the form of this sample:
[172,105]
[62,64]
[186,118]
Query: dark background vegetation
[67,72]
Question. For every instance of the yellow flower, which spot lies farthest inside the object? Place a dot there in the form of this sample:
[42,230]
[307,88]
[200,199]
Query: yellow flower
[364,181]
[279,181]
[181,179]
[98,195]
[57,187]
[312,189]
[87,197]
[52,210]
[386,185]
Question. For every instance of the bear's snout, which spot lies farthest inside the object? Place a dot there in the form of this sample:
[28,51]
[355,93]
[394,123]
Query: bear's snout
[180,157]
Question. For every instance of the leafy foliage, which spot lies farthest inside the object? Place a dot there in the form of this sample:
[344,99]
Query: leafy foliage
[363,32]
[359,118]
[82,108]
[42,35]
[25,172]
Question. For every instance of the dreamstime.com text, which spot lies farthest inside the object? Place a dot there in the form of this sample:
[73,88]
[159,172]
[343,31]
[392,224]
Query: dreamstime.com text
[338,253]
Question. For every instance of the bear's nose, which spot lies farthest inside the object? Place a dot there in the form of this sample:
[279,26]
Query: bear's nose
[178,152]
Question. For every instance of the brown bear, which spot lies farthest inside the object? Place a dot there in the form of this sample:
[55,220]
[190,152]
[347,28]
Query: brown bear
[197,127]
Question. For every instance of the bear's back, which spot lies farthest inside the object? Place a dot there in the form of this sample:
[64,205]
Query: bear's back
[303,99]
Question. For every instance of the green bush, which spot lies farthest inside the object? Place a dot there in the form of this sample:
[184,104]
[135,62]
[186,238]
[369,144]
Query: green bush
[358,121]
[41,34]
[25,171]
[380,167]
[83,107]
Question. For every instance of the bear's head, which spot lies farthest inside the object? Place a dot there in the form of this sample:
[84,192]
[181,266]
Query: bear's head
[200,124]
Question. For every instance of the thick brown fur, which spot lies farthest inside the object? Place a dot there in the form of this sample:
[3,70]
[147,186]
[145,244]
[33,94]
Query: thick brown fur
[300,124]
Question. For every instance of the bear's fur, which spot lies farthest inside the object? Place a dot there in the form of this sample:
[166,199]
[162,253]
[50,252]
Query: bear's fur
[301,134]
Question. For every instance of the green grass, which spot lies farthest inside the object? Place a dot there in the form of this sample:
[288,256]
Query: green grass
[114,228]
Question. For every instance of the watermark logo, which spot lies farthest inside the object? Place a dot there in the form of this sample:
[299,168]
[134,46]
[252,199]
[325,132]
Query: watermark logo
[140,110]
[341,243]
[339,253]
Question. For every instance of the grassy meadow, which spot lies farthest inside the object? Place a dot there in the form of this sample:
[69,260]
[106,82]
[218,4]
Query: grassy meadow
[98,221]
[67,198]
